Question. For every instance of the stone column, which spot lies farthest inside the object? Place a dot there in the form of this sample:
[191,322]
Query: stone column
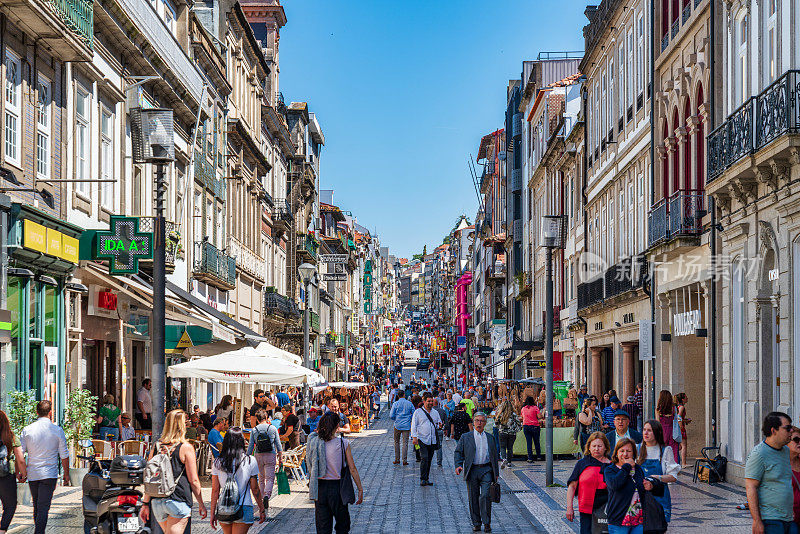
[628,370]
[597,378]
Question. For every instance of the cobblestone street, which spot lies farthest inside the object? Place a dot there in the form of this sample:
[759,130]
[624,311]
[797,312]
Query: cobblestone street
[395,503]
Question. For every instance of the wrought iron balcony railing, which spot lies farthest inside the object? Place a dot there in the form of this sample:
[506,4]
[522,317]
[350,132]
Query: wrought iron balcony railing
[278,305]
[282,211]
[78,15]
[658,225]
[173,233]
[590,293]
[687,11]
[685,212]
[760,120]
[213,266]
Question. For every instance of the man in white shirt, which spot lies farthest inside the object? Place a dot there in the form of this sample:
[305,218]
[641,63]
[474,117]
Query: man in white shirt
[45,444]
[424,424]
[477,457]
[144,405]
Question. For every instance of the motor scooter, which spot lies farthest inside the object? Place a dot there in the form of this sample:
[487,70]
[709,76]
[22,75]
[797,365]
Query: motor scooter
[111,500]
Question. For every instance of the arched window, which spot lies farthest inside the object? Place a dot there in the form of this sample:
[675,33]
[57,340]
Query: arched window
[675,185]
[664,17]
[700,142]
[687,148]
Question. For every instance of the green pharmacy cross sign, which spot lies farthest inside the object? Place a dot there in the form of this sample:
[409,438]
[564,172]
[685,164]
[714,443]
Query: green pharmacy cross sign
[123,245]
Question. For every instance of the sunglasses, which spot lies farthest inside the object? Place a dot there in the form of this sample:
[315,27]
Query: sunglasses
[787,428]
[796,439]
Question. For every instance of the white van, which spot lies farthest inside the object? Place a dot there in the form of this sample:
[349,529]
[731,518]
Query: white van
[410,358]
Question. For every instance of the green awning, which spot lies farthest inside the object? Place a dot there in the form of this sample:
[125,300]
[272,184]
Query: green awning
[178,337]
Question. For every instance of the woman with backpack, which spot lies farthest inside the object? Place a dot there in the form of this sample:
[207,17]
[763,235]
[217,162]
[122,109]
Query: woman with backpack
[233,480]
[9,444]
[331,474]
[266,444]
[169,498]
[658,462]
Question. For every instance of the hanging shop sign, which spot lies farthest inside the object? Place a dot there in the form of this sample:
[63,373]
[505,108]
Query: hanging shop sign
[334,258]
[368,287]
[536,364]
[49,241]
[645,340]
[685,324]
[123,245]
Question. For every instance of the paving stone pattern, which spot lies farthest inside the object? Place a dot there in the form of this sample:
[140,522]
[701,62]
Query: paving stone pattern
[395,503]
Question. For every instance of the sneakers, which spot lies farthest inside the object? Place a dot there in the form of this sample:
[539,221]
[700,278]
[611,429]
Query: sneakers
[266,504]
[503,464]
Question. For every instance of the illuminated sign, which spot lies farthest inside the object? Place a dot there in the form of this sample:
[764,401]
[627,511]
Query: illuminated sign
[368,287]
[124,245]
[49,241]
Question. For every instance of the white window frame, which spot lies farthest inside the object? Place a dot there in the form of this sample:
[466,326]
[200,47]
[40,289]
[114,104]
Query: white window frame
[12,96]
[83,142]
[44,123]
[741,85]
[631,74]
[622,88]
[640,57]
[106,158]
[771,36]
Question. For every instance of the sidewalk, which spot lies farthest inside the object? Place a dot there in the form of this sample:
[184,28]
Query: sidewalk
[395,503]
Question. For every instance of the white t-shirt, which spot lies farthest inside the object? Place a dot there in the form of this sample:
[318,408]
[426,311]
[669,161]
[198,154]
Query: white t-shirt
[143,396]
[246,470]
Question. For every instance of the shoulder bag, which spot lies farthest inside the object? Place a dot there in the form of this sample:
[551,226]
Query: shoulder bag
[436,444]
[676,428]
[346,492]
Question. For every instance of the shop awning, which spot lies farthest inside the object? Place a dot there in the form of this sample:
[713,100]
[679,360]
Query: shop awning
[245,365]
[516,360]
[242,330]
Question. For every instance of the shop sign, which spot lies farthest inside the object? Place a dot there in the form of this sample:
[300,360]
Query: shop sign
[368,287]
[139,324]
[222,333]
[107,300]
[334,258]
[49,241]
[123,245]
[185,341]
[684,324]
[536,364]
[645,339]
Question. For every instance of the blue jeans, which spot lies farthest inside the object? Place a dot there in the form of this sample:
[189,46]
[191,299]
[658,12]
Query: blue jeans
[775,526]
[614,529]
[164,508]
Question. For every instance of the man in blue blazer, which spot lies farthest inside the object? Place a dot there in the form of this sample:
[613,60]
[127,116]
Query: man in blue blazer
[622,429]
[477,457]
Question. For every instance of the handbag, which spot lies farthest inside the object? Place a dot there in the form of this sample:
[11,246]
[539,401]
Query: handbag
[283,482]
[494,491]
[346,492]
[676,428]
[436,445]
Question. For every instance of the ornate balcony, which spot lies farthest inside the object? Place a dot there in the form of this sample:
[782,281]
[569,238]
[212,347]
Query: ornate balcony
[685,212]
[65,27]
[307,247]
[762,119]
[213,266]
[173,245]
[246,259]
[282,213]
[590,293]
[279,306]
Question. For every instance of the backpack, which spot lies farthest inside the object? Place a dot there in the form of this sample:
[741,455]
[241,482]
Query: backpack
[159,479]
[263,441]
[229,504]
[5,459]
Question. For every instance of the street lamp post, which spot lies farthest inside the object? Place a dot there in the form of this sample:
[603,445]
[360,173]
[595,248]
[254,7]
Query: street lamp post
[552,238]
[152,137]
[306,271]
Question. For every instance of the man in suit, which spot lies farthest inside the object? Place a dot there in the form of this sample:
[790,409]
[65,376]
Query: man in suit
[622,429]
[477,457]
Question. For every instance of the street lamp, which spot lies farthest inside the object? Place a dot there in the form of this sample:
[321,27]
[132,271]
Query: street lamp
[152,138]
[553,237]
[307,272]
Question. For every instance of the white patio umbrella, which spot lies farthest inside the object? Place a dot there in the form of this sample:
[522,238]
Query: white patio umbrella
[245,365]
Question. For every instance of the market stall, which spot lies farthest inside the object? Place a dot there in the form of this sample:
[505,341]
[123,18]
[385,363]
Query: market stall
[353,400]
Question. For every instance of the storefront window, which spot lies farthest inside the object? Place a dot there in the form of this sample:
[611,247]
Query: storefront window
[33,300]
[10,368]
[50,326]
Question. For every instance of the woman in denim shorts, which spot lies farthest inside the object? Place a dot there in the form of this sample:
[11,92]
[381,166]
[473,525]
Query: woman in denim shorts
[172,513]
[234,461]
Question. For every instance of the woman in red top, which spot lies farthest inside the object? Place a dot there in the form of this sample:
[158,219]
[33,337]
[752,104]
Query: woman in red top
[587,480]
[794,459]
[530,426]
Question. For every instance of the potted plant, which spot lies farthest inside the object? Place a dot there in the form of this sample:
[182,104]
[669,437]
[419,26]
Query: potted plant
[78,424]
[21,413]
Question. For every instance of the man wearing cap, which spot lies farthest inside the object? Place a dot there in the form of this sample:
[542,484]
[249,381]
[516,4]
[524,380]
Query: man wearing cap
[632,410]
[622,429]
[609,412]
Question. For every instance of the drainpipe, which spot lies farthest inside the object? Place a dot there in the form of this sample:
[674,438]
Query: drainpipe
[585,97]
[652,201]
[712,322]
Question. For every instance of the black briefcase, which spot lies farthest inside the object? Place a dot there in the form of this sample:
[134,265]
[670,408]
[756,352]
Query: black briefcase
[494,491]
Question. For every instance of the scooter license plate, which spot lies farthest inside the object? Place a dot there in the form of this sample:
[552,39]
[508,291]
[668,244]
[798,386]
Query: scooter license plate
[128,524]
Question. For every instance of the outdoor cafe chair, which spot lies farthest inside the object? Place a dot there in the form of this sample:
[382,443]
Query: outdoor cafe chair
[103,450]
[132,446]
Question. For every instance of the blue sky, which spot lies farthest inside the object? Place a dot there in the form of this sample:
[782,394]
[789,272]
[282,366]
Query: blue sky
[404,91]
